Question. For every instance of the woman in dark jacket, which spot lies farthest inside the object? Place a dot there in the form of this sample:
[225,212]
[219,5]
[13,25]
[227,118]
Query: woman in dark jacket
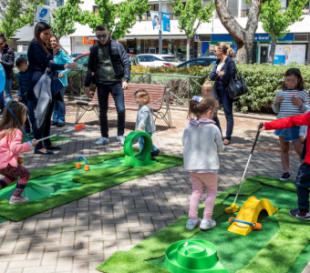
[40,58]
[222,73]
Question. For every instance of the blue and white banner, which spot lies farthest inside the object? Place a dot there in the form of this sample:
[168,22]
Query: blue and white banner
[166,21]
[43,14]
[155,20]
[2,79]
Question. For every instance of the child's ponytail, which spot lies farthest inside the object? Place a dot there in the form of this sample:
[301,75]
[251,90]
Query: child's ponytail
[199,106]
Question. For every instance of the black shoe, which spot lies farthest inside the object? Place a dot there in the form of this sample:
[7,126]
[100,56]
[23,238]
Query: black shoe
[155,153]
[54,123]
[43,153]
[53,148]
[300,214]
[285,176]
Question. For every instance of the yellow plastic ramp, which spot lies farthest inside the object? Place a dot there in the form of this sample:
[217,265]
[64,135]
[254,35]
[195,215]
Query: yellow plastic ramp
[250,212]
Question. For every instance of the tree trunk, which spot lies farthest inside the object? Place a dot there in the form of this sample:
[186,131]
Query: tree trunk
[244,37]
[272,49]
[188,48]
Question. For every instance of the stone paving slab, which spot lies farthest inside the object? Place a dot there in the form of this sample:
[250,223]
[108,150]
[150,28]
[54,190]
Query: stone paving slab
[76,237]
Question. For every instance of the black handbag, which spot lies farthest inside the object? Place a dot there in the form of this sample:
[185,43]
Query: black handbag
[237,86]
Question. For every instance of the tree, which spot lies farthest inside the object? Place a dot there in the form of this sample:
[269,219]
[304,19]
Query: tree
[16,14]
[276,21]
[190,15]
[64,18]
[117,17]
[244,37]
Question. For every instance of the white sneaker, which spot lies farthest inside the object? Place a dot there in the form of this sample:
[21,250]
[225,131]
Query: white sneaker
[192,223]
[102,141]
[207,224]
[120,139]
[18,200]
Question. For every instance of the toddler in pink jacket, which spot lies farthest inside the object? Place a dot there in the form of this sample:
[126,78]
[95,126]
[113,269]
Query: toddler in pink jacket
[11,146]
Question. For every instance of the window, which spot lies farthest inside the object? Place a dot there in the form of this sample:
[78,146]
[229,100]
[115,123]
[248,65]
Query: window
[245,7]
[145,58]
[60,3]
[233,7]
[170,59]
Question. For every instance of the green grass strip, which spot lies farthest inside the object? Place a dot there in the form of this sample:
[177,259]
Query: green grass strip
[283,250]
[146,257]
[154,247]
[97,183]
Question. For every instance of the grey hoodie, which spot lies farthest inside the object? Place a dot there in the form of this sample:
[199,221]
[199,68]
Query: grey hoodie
[202,142]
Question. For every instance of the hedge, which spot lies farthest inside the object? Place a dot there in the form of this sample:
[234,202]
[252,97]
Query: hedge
[263,81]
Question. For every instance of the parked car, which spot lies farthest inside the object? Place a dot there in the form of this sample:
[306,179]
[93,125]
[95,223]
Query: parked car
[82,60]
[157,60]
[21,54]
[203,61]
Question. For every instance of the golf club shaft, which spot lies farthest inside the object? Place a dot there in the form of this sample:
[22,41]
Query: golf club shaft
[54,135]
[247,164]
[243,176]
[45,138]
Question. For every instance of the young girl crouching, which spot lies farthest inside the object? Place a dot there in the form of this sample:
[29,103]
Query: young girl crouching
[11,146]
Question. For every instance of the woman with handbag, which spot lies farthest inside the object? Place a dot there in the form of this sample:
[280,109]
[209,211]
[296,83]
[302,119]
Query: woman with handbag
[222,73]
[40,57]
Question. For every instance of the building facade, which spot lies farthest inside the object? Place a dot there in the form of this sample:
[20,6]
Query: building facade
[144,38]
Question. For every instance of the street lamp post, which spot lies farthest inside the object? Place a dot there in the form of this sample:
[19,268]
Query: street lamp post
[160,34]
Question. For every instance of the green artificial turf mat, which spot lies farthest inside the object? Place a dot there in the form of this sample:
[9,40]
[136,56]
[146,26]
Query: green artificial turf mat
[58,185]
[302,261]
[269,250]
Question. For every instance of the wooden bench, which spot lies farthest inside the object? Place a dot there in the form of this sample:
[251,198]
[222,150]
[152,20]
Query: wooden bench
[159,102]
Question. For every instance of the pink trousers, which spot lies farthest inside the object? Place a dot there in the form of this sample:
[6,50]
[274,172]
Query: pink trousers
[200,182]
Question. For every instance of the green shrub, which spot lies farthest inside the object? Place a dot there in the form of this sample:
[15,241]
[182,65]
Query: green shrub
[263,81]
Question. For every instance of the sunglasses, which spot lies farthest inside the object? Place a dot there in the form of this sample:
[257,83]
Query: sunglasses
[102,37]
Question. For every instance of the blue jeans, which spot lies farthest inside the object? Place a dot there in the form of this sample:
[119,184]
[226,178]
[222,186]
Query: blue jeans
[118,95]
[303,187]
[141,144]
[6,92]
[60,108]
[227,104]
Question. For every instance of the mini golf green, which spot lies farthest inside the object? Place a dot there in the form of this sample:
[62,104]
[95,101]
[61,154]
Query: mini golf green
[60,184]
[192,256]
[282,246]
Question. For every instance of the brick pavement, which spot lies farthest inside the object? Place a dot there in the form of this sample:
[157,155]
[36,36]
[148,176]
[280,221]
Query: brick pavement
[76,237]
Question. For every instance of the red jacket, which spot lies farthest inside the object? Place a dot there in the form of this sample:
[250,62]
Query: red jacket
[300,120]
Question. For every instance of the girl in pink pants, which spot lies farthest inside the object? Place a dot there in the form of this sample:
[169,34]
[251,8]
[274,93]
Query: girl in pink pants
[202,142]
[11,147]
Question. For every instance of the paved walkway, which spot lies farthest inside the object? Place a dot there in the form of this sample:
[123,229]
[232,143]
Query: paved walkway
[77,237]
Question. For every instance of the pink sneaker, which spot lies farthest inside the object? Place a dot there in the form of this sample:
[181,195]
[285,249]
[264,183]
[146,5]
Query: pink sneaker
[17,200]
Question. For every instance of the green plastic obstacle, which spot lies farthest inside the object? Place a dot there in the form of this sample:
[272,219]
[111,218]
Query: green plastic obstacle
[143,158]
[193,256]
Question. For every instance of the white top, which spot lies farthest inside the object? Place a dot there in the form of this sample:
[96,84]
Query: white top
[286,108]
[145,119]
[202,141]
[220,66]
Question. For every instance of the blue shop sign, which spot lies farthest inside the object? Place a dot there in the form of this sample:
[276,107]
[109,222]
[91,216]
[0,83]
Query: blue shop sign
[263,37]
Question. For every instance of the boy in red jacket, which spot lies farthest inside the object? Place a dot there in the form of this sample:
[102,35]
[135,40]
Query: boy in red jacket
[303,176]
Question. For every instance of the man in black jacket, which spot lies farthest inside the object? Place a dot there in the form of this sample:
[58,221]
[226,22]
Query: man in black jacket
[109,67]
[7,60]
